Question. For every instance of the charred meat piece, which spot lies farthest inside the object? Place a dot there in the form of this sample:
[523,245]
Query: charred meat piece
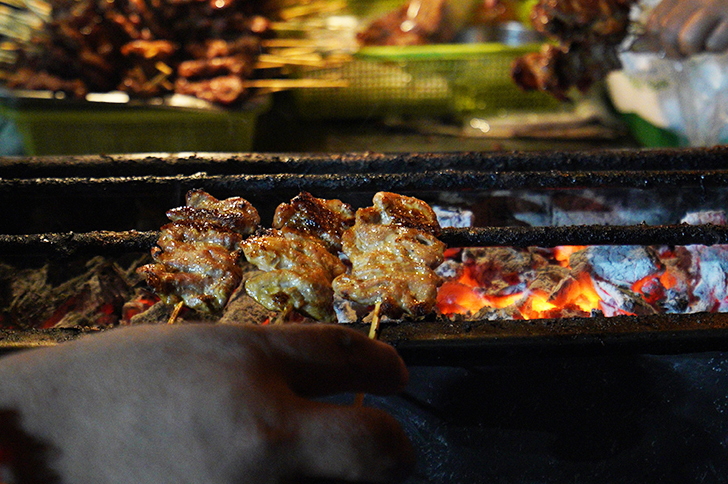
[556,70]
[197,255]
[138,46]
[417,22]
[393,250]
[300,256]
[298,271]
[324,219]
[588,34]
[221,89]
[235,214]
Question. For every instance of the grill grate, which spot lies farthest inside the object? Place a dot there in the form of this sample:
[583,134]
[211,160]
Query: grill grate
[101,187]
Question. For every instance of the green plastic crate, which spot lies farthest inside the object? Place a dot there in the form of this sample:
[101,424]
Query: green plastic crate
[62,127]
[431,80]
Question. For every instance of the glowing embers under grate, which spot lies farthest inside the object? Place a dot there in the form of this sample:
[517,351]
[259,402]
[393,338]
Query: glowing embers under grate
[577,281]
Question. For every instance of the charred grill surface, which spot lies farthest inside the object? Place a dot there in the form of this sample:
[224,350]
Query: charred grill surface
[424,181]
[109,243]
[102,166]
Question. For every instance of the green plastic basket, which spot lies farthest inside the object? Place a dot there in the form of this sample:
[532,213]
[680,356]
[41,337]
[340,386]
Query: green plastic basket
[431,80]
[61,127]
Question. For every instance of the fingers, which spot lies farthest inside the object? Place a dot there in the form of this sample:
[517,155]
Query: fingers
[692,36]
[718,40]
[687,28]
[323,359]
[353,444]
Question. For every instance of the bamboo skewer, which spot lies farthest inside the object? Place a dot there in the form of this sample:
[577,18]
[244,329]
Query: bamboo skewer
[373,334]
[283,315]
[175,312]
[294,83]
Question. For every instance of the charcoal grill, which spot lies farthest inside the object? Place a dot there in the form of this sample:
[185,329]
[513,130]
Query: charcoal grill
[75,206]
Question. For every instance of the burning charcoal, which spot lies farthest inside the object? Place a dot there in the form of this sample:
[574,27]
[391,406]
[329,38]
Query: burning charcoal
[715,217]
[497,268]
[622,265]
[677,282]
[710,266]
[453,216]
[92,298]
[243,309]
[449,269]
[549,279]
[495,314]
[618,300]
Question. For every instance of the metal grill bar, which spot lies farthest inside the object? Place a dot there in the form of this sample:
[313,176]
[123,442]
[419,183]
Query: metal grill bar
[371,182]
[272,163]
[107,242]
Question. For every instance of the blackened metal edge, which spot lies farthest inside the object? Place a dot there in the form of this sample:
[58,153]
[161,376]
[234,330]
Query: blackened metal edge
[424,181]
[70,243]
[360,162]
[465,343]
[108,242]
[480,342]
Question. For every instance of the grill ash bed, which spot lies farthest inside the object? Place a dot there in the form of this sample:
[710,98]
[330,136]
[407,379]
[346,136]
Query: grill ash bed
[81,207]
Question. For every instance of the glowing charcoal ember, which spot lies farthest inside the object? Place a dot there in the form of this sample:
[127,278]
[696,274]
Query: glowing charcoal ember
[622,265]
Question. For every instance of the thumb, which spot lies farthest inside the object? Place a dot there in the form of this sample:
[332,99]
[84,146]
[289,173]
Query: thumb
[353,444]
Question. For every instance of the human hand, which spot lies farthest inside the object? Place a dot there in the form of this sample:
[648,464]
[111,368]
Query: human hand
[200,403]
[688,27]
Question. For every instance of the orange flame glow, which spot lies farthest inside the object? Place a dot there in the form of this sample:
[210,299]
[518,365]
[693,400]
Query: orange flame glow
[465,296]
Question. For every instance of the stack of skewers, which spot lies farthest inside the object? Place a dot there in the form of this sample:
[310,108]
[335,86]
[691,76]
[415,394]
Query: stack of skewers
[220,51]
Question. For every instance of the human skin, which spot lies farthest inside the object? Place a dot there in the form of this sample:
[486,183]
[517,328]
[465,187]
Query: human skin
[689,27]
[210,403]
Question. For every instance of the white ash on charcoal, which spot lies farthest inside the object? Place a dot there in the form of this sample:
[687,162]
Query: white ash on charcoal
[622,265]
[549,280]
[618,300]
[715,217]
[453,216]
[709,271]
[708,266]
[611,207]
[496,314]
[449,269]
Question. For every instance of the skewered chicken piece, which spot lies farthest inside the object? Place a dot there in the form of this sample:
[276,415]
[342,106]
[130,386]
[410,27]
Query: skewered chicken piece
[197,255]
[393,249]
[298,256]
[298,273]
[324,219]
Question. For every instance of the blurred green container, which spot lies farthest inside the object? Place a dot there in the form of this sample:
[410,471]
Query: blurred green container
[428,80]
[649,135]
[64,127]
